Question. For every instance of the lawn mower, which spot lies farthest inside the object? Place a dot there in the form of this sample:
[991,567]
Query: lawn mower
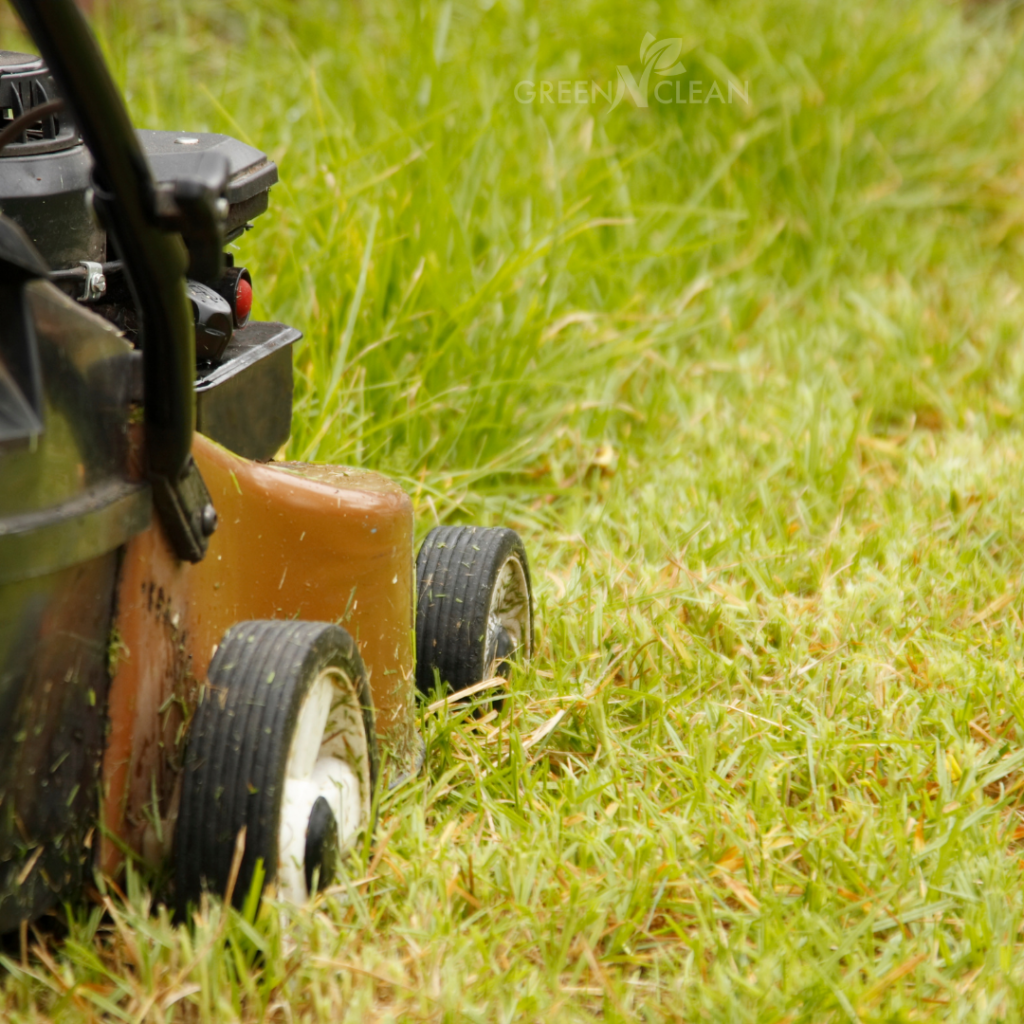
[209,660]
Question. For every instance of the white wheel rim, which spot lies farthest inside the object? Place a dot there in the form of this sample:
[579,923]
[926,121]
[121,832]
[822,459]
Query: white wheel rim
[510,608]
[328,758]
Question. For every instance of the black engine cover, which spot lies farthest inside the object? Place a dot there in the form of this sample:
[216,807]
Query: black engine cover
[44,173]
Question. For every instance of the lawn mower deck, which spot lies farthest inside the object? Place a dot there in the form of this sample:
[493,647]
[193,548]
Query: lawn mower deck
[312,542]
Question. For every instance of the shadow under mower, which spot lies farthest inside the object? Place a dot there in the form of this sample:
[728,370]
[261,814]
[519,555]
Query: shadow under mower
[201,652]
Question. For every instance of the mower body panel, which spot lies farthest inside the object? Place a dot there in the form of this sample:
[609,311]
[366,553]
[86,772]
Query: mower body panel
[322,543]
[66,506]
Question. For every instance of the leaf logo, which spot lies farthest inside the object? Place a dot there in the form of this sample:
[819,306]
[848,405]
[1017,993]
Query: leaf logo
[664,54]
[659,55]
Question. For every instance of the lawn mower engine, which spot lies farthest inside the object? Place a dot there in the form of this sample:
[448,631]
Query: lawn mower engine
[46,188]
[206,657]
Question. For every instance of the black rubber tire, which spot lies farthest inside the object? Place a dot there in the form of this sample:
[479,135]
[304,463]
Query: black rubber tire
[238,748]
[457,570]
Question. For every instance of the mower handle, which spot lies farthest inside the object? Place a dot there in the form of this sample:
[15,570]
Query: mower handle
[154,261]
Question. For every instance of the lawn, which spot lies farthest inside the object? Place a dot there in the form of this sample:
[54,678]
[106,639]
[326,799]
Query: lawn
[746,375]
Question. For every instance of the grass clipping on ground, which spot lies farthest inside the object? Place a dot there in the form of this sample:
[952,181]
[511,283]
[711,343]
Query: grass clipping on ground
[747,379]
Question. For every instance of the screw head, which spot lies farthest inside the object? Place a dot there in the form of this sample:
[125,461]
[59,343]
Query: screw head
[208,520]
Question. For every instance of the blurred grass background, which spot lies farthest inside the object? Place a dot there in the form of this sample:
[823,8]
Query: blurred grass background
[747,378]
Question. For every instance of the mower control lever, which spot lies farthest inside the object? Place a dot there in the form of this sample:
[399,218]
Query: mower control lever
[195,208]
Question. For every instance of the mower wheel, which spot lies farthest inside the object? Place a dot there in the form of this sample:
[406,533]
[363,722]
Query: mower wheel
[282,748]
[474,611]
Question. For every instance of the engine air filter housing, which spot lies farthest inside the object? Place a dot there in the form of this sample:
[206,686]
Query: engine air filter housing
[44,171]
[26,84]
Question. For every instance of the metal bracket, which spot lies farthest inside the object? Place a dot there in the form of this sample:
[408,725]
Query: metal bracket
[95,286]
[186,511]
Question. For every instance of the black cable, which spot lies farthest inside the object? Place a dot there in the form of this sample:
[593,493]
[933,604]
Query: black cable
[29,117]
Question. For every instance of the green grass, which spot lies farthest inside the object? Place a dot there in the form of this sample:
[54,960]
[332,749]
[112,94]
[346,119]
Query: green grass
[748,380]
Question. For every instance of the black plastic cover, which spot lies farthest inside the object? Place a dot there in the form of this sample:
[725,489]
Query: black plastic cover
[177,154]
[251,173]
[25,83]
[245,403]
[20,383]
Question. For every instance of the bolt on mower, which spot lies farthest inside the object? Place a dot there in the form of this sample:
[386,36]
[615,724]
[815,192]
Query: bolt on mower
[208,659]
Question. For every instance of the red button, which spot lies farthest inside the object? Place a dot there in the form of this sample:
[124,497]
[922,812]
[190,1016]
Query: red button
[243,301]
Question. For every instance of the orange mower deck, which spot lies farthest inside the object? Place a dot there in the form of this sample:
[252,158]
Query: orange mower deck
[294,540]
